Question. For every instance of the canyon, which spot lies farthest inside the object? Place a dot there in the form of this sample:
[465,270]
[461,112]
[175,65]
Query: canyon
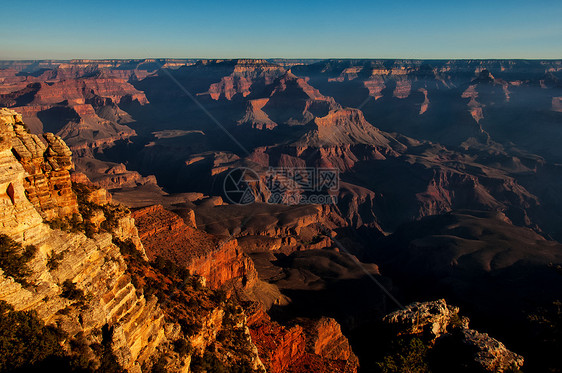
[448,187]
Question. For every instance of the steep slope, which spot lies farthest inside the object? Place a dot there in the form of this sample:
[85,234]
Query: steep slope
[247,76]
[94,266]
[164,234]
[345,127]
[289,100]
[82,280]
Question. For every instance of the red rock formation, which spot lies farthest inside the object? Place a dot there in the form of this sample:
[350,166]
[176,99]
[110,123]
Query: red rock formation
[81,110]
[375,85]
[278,346]
[256,117]
[165,234]
[111,175]
[290,100]
[319,346]
[246,73]
[348,126]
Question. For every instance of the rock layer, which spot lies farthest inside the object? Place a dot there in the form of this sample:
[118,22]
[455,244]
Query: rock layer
[47,164]
[165,234]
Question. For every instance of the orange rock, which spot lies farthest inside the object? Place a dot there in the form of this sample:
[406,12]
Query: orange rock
[48,185]
[163,233]
[315,346]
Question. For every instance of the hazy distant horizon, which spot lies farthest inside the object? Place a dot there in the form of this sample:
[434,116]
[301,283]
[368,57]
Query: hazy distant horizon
[275,58]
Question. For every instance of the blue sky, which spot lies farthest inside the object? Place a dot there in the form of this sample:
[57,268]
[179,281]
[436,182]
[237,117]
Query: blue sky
[291,29]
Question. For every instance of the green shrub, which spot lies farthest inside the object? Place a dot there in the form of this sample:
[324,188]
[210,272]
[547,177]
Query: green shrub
[70,291]
[54,260]
[408,354]
[29,252]
[112,214]
[27,345]
[25,341]
[127,247]
[14,259]
[74,224]
[209,362]
[171,269]
[182,347]
[108,360]
[159,366]
[82,192]
[59,223]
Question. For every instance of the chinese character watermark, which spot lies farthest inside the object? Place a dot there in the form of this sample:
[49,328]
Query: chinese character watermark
[283,185]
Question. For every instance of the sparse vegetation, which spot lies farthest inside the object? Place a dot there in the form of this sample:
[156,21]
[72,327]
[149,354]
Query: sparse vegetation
[159,366]
[25,341]
[187,302]
[82,222]
[70,291]
[209,362]
[27,345]
[107,358]
[112,214]
[14,259]
[171,269]
[54,260]
[127,248]
[407,354]
[82,192]
[73,224]
[182,347]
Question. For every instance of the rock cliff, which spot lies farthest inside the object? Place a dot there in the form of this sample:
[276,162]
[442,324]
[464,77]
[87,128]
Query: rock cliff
[46,163]
[446,332]
[82,278]
[309,345]
[165,234]
[82,110]
[93,265]
[246,76]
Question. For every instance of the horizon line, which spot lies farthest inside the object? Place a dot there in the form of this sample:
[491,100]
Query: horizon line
[281,58]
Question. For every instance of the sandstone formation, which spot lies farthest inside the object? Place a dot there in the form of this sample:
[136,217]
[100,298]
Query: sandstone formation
[316,346]
[245,74]
[288,100]
[83,110]
[107,304]
[441,178]
[47,164]
[431,318]
[327,340]
[111,176]
[440,323]
[347,126]
[219,261]
[94,265]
